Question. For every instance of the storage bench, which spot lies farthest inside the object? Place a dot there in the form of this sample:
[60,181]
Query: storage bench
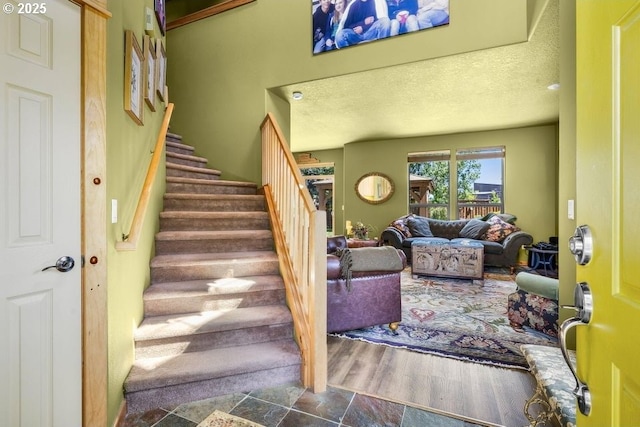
[555,385]
[461,258]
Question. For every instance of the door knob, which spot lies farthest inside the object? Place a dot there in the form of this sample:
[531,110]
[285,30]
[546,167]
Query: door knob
[581,244]
[63,264]
[584,306]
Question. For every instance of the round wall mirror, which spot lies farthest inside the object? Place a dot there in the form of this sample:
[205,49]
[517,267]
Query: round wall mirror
[374,187]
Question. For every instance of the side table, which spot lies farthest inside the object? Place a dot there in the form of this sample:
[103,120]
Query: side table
[543,258]
[361,243]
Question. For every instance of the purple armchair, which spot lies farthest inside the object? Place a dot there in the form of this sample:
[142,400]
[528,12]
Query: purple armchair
[371,298]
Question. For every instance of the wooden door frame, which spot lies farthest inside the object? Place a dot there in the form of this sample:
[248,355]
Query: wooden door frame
[94,16]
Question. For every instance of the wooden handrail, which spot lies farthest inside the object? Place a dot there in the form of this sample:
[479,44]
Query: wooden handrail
[207,12]
[300,238]
[130,241]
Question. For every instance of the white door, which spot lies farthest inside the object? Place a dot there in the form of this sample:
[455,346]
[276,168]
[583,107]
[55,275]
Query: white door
[40,311]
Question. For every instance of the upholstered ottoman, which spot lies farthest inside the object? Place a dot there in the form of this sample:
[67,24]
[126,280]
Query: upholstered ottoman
[462,259]
[534,304]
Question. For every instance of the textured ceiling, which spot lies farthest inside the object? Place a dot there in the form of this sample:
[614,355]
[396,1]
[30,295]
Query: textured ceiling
[490,89]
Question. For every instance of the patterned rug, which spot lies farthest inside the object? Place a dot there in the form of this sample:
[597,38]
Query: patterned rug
[457,318]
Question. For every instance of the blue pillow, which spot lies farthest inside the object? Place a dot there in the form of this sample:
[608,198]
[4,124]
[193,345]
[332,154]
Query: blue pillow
[419,227]
[474,229]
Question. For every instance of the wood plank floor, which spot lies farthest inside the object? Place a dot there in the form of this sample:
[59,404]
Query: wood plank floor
[495,396]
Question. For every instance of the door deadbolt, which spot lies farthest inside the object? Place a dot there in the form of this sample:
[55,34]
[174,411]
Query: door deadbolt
[581,244]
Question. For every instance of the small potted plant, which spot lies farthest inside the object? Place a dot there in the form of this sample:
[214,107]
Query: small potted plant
[361,230]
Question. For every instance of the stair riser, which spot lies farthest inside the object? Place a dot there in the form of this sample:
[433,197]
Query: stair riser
[179,150]
[173,395]
[213,224]
[174,137]
[208,189]
[213,271]
[207,341]
[188,174]
[186,162]
[226,205]
[199,303]
[164,247]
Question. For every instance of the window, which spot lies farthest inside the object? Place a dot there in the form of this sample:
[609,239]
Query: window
[479,188]
[429,184]
[480,181]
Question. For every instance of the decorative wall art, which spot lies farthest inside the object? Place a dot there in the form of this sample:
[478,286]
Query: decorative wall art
[133,77]
[342,23]
[149,73]
[160,15]
[161,64]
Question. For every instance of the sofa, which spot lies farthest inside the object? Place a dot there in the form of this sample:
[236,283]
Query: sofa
[500,237]
[366,296]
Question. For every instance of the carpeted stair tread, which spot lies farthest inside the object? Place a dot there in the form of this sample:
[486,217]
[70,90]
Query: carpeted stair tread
[185,185]
[205,365]
[214,202]
[219,182]
[174,136]
[158,327]
[209,294]
[213,241]
[193,169]
[215,234]
[214,220]
[213,215]
[179,147]
[213,265]
[186,157]
[180,196]
[223,286]
[187,260]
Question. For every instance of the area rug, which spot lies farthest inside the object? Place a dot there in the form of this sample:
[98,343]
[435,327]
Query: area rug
[222,419]
[461,319]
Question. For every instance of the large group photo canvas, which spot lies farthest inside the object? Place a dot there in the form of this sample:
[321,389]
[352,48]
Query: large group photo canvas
[337,24]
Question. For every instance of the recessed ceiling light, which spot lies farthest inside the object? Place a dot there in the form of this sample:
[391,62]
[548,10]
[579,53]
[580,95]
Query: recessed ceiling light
[554,86]
[296,95]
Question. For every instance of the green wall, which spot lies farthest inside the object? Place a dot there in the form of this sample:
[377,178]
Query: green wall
[531,175]
[220,67]
[129,151]
[567,158]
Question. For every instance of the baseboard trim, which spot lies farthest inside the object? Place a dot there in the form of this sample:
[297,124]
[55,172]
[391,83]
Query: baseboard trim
[122,414]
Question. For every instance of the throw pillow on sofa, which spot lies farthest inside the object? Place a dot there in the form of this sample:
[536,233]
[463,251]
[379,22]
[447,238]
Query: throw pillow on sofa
[499,229]
[419,227]
[474,229]
[511,219]
[400,224]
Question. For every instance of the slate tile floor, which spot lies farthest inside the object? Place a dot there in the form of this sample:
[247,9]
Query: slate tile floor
[293,406]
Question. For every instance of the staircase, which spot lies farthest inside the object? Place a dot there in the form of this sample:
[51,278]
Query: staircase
[215,318]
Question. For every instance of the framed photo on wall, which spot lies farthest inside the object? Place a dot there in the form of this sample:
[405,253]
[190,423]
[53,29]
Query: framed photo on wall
[160,15]
[133,77]
[161,64]
[149,52]
[337,24]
